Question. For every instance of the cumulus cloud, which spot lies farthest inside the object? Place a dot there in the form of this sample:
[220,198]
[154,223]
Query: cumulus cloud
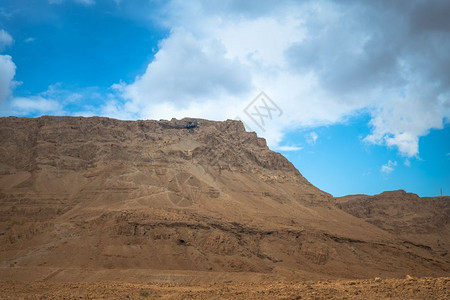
[54,101]
[7,72]
[186,69]
[7,67]
[36,105]
[388,167]
[5,39]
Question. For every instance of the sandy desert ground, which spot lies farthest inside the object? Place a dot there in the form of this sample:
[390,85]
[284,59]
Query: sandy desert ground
[410,288]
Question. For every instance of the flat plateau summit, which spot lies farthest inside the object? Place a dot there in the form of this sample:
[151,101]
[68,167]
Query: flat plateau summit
[95,198]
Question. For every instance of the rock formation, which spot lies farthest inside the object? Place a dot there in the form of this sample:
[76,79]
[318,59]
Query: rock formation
[102,194]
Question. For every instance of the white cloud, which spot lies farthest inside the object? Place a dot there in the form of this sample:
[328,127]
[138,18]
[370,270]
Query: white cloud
[5,39]
[312,138]
[84,2]
[389,167]
[29,39]
[114,109]
[320,62]
[7,72]
[54,101]
[400,121]
[288,148]
[187,69]
[36,105]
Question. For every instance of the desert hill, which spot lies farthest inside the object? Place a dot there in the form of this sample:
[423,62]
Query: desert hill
[420,222]
[96,198]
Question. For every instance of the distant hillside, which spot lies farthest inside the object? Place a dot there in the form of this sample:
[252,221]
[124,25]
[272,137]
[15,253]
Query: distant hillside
[422,222]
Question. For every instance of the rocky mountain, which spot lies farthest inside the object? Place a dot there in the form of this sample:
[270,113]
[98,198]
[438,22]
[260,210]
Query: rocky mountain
[419,222]
[89,197]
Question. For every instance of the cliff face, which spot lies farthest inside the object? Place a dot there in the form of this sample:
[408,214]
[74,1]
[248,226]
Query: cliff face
[82,143]
[115,194]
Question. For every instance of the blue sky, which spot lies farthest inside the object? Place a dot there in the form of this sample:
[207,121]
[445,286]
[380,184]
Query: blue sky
[359,90]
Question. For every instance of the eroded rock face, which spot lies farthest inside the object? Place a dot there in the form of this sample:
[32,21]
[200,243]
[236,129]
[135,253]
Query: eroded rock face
[80,143]
[152,194]
[400,212]
[419,222]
